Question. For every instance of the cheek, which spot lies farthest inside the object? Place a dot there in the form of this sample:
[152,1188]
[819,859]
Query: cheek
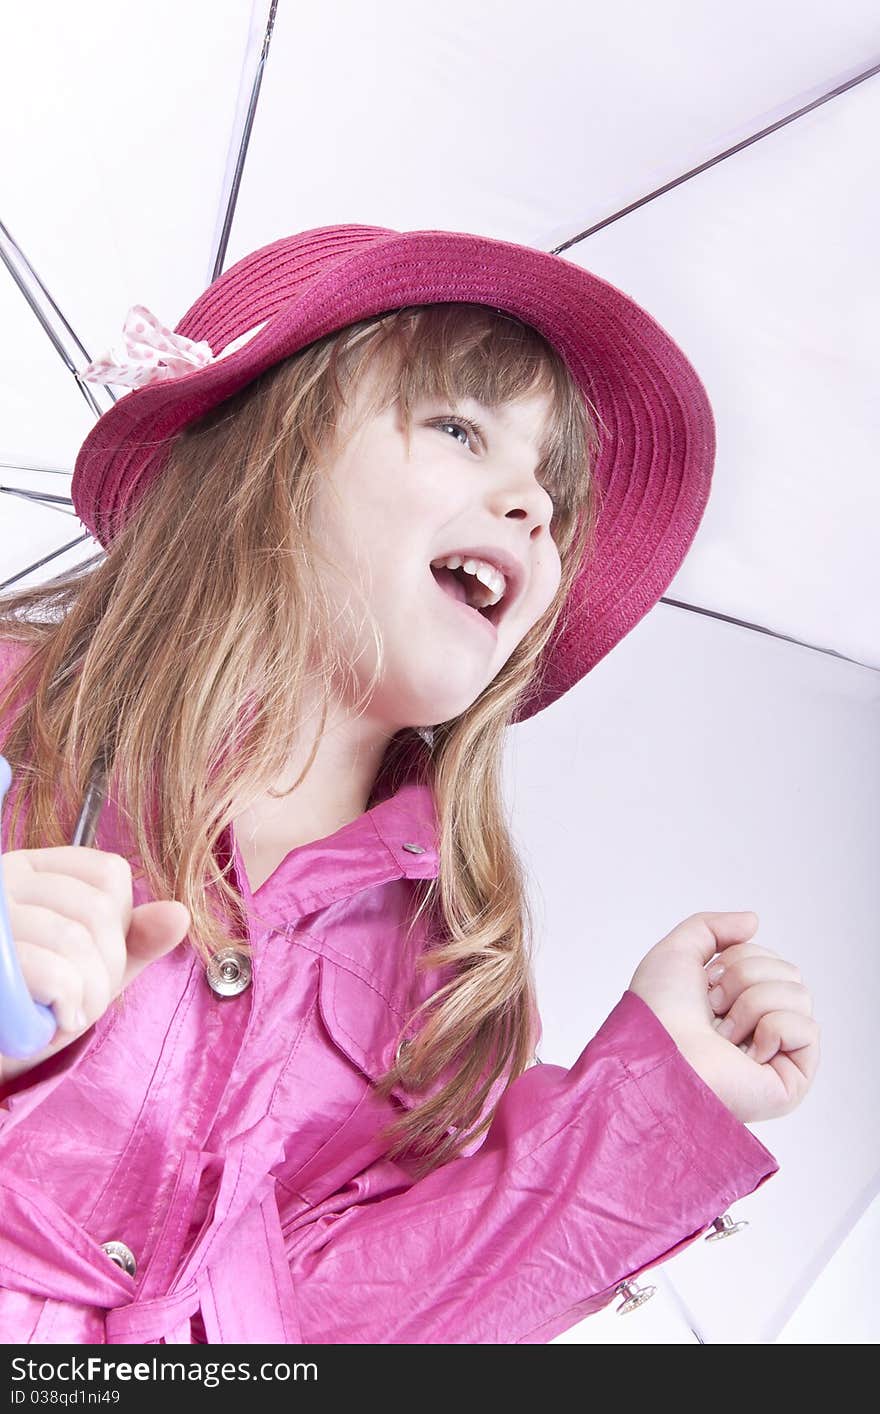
[543,592]
[548,581]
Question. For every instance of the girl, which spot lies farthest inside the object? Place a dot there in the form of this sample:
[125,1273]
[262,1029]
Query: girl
[379,496]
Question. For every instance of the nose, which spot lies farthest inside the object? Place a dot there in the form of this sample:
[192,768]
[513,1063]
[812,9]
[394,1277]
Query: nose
[522,497]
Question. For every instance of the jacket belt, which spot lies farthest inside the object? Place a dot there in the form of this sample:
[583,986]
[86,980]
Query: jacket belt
[237,1271]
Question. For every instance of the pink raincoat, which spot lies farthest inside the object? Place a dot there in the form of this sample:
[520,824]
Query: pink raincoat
[230,1142]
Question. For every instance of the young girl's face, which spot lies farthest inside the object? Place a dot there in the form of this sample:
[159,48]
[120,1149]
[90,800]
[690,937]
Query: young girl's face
[396,513]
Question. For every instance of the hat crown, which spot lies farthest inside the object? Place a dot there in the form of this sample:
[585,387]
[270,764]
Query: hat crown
[265,281]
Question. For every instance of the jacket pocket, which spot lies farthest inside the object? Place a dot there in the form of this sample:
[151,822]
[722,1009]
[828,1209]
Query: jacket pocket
[364,1029]
[360,1021]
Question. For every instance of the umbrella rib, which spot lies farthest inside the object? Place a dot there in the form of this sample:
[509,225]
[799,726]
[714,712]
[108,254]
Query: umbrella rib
[243,144]
[38,564]
[712,161]
[679,1302]
[14,257]
[45,498]
[41,470]
[771,632]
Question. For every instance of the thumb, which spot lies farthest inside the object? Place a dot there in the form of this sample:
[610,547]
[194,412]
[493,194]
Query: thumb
[704,934]
[156,928]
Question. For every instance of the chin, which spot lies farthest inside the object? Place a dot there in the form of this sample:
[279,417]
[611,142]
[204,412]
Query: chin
[428,709]
[447,710]
[427,682]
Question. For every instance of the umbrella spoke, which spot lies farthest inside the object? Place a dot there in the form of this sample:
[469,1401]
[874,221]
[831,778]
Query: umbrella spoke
[719,157]
[47,559]
[53,502]
[49,315]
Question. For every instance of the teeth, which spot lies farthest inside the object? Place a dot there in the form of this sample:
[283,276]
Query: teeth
[492,579]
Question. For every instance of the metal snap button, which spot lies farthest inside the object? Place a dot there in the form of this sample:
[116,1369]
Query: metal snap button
[228,972]
[635,1296]
[121,1255]
[725,1227]
[415,848]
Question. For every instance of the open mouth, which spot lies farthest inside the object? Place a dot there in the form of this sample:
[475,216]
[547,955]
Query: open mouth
[455,585]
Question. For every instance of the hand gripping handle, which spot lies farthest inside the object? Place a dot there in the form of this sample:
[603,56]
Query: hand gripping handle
[27,1026]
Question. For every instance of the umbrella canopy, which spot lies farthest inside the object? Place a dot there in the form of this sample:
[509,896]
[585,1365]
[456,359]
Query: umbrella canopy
[717,166]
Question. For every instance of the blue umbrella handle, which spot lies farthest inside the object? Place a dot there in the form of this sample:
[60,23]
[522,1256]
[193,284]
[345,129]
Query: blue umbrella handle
[27,1026]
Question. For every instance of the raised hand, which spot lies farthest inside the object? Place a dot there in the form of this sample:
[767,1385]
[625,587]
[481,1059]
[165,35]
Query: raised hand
[760,995]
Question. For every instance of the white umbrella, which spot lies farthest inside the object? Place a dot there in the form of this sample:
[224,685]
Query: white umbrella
[716,164]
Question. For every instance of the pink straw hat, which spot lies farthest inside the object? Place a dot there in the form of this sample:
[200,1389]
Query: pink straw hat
[657,431]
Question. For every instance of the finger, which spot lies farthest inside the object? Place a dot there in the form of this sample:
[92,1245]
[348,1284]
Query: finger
[792,1043]
[724,990]
[736,951]
[755,1002]
[56,982]
[43,928]
[787,1040]
[107,874]
[101,868]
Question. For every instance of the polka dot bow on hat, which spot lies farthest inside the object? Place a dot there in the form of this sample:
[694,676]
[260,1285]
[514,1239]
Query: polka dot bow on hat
[150,353]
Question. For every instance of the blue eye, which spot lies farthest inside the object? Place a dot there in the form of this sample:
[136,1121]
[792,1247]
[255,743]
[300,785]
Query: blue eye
[463,424]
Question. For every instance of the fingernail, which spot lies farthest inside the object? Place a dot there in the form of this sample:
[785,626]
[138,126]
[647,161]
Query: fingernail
[716,996]
[715,972]
[726,1027]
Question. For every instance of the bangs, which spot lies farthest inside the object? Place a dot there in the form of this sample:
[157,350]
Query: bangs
[454,351]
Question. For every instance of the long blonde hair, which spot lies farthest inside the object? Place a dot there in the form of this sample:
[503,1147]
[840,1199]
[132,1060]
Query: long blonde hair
[180,658]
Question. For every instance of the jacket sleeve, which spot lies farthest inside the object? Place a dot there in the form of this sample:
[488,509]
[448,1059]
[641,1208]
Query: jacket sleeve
[585,1178]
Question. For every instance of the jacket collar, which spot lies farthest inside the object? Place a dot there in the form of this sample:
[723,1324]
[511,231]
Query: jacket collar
[397,838]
